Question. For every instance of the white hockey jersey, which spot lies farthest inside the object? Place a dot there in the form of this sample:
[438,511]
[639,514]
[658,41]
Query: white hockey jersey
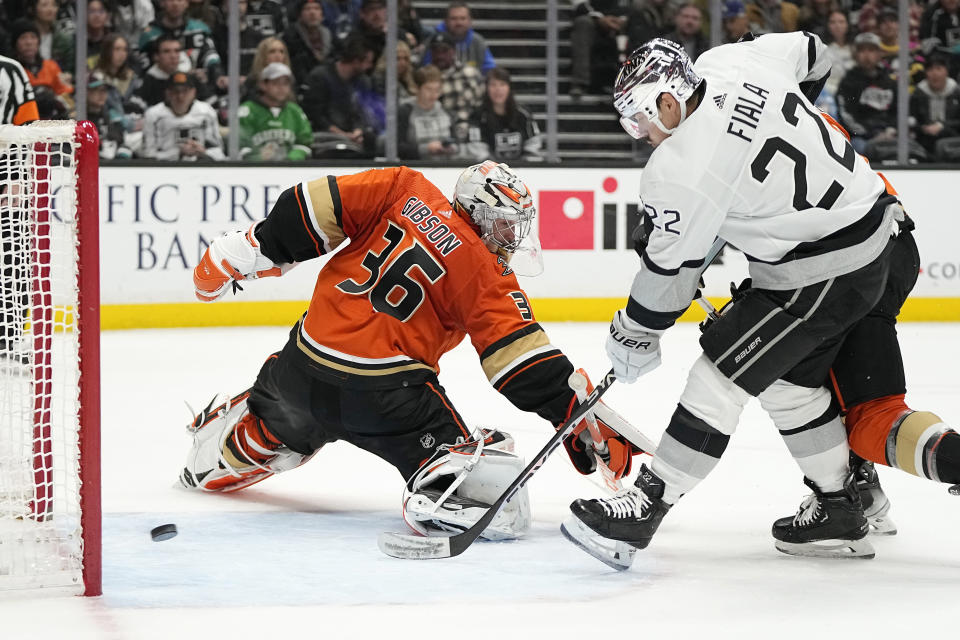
[758,166]
[163,131]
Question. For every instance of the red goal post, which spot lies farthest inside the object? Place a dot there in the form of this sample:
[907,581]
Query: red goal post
[50,515]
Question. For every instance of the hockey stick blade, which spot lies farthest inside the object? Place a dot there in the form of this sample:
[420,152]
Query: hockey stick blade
[399,545]
[411,547]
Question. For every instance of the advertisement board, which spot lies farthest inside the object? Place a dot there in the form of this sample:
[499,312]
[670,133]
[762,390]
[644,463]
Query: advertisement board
[157,221]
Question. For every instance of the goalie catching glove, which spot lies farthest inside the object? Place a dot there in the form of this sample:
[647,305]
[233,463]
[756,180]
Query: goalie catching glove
[231,257]
[454,488]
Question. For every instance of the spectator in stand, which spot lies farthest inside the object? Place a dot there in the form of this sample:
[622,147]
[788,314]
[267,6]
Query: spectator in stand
[272,126]
[250,37]
[462,90]
[814,16]
[646,20]
[50,84]
[867,96]
[940,28]
[195,37]
[935,108]
[471,47]
[98,27]
[735,22]
[772,16]
[130,19]
[687,33]
[596,25]
[409,23]
[109,121]
[308,40]
[54,40]
[838,49]
[266,16]
[372,26]
[205,12]
[888,29]
[182,127]
[331,98]
[167,59]
[406,85]
[424,128]
[268,51]
[501,129]
[122,83]
[340,17]
[868,18]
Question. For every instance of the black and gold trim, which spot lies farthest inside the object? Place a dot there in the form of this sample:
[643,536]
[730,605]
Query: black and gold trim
[304,223]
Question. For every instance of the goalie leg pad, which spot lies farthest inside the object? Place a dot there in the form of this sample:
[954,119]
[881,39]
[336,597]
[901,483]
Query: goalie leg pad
[455,487]
[232,449]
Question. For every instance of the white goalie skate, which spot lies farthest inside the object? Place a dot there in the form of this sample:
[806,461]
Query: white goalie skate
[454,489]
[210,467]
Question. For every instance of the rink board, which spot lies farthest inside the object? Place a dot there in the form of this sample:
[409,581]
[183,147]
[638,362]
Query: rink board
[157,222]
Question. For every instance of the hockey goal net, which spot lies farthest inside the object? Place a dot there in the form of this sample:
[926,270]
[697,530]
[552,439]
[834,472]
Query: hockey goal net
[49,358]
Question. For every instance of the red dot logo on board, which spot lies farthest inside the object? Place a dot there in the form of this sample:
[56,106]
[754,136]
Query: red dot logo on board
[566,219]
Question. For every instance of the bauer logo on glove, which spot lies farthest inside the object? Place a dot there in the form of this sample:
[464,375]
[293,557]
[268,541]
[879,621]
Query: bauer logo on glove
[629,343]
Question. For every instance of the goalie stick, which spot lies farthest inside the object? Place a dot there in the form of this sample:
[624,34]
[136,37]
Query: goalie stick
[400,545]
[581,386]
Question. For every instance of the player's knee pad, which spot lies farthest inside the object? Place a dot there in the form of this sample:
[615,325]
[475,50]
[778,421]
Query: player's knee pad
[232,449]
[712,397]
[456,486]
[793,407]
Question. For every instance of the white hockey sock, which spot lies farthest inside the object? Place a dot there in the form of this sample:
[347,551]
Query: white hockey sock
[827,469]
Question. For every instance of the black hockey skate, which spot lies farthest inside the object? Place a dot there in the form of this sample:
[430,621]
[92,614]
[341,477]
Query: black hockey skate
[876,505]
[827,525]
[601,526]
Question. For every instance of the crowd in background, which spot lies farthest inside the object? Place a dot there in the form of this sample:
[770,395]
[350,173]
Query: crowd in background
[313,73]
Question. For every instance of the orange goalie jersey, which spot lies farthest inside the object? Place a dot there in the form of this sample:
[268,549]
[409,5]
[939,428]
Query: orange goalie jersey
[413,280]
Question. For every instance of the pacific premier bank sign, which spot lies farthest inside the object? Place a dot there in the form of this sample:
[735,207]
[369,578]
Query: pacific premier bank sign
[156,223]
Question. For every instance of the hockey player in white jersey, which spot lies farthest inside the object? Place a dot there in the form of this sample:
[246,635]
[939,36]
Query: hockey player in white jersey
[741,154]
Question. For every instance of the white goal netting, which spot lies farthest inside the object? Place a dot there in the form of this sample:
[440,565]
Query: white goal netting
[41,535]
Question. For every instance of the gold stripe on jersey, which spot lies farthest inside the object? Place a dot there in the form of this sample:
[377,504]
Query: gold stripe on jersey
[498,362]
[358,368]
[325,213]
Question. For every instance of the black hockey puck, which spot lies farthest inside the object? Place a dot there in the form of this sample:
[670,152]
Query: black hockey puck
[163,532]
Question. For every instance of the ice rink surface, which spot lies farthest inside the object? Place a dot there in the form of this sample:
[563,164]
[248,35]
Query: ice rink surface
[296,556]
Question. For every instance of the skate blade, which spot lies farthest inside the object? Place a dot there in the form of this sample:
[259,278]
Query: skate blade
[614,554]
[880,524]
[860,549]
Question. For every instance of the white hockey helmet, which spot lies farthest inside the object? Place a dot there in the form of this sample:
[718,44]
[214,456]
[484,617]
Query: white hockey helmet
[498,202]
[659,66]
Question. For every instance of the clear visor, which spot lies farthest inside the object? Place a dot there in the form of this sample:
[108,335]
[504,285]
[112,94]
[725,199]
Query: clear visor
[637,125]
[513,237]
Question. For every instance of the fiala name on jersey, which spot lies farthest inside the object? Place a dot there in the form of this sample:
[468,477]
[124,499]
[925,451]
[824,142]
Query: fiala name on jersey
[747,111]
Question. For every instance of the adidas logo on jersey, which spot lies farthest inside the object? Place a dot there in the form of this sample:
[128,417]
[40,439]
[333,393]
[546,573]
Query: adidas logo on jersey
[719,100]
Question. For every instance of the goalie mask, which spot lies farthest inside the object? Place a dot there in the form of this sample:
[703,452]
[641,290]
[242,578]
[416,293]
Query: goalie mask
[454,488]
[500,205]
[660,66]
